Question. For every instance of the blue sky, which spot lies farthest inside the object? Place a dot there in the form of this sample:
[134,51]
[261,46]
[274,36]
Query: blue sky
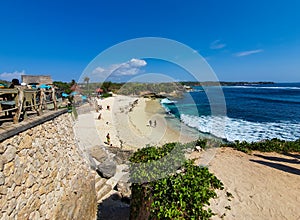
[241,40]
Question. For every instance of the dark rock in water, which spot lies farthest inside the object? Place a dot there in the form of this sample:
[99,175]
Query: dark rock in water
[107,169]
[98,153]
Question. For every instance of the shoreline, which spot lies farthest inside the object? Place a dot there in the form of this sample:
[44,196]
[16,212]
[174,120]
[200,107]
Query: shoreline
[128,119]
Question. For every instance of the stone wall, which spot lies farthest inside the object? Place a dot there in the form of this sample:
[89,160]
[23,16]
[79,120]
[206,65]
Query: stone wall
[43,174]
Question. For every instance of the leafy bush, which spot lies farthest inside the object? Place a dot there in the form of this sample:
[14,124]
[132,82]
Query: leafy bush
[106,95]
[179,195]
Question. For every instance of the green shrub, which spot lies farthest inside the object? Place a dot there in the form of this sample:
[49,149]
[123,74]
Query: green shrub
[106,95]
[178,195]
[273,145]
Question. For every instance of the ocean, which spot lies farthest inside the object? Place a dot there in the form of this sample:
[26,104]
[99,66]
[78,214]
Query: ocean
[249,113]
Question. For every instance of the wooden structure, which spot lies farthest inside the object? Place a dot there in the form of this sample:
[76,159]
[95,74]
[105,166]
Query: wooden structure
[18,101]
[36,79]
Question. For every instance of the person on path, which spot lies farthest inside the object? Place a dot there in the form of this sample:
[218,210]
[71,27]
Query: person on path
[108,139]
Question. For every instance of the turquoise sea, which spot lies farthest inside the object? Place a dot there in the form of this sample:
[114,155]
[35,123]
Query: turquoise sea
[251,113]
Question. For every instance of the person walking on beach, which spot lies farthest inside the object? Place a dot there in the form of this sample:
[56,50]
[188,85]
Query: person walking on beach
[150,123]
[154,124]
[99,117]
[108,139]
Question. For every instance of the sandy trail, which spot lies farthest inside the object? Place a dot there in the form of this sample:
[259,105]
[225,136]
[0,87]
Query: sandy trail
[264,185]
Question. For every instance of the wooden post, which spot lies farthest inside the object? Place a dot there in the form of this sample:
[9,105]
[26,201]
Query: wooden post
[42,99]
[19,104]
[54,98]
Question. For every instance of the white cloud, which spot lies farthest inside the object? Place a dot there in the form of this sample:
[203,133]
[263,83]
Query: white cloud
[9,76]
[98,70]
[217,45]
[128,68]
[137,62]
[131,67]
[248,52]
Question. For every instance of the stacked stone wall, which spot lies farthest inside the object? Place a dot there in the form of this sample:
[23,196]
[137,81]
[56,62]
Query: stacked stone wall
[43,174]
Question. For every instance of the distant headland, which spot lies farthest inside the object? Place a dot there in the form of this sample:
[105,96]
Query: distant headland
[223,83]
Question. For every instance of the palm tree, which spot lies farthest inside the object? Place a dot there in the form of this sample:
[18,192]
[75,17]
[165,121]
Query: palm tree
[87,80]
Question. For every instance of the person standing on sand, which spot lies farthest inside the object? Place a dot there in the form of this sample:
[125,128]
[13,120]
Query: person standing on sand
[99,117]
[150,123]
[108,139]
[154,124]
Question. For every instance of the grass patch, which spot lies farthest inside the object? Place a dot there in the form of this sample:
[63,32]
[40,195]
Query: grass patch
[273,145]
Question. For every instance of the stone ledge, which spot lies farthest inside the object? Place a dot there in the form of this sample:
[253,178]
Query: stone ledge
[11,130]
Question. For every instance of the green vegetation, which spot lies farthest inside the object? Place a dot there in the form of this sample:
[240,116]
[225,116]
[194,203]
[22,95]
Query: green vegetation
[158,88]
[4,82]
[183,194]
[273,145]
[63,86]
[139,88]
[134,88]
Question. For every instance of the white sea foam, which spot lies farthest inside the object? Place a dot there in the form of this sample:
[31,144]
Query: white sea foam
[263,87]
[237,129]
[167,101]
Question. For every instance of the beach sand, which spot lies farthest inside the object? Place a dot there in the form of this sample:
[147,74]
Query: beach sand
[263,185]
[129,127]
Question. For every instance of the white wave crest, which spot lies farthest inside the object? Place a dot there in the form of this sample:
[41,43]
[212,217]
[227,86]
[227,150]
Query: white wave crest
[237,129]
[264,87]
[167,101]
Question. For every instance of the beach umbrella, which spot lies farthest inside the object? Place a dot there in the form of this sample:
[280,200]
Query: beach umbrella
[74,93]
[83,97]
[44,86]
[64,95]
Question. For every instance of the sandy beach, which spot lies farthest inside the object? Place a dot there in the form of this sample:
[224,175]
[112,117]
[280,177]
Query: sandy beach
[128,123]
[262,185]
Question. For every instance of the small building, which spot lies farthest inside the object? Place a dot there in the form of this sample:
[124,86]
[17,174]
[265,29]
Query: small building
[36,79]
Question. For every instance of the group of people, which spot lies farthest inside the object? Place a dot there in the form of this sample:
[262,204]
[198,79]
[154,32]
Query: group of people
[99,107]
[154,123]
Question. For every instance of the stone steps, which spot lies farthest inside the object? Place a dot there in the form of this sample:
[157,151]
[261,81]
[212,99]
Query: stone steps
[101,194]
[105,187]
[102,188]
[99,184]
